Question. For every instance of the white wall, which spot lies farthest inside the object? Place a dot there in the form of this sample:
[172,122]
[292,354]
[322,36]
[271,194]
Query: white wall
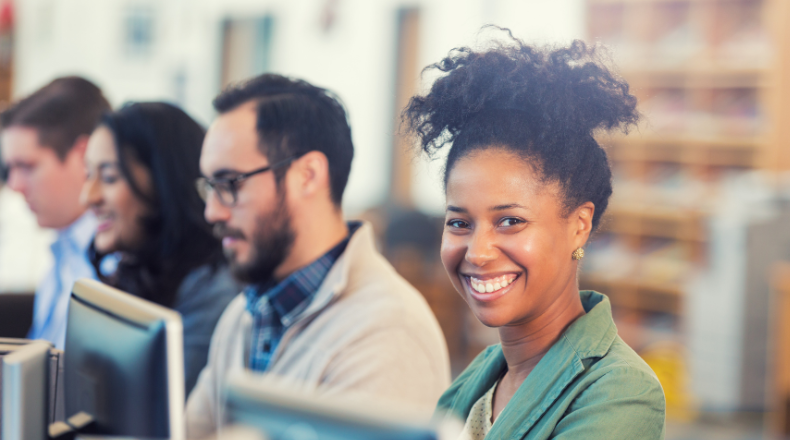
[355,58]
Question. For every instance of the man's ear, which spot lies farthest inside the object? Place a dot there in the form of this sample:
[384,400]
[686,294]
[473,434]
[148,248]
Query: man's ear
[79,147]
[312,172]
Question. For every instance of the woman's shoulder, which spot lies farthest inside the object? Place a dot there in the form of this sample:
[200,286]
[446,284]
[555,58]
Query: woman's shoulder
[613,389]
[621,364]
[595,340]
[207,286]
[619,373]
[618,397]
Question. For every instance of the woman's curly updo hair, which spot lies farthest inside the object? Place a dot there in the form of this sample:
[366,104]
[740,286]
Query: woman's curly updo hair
[542,104]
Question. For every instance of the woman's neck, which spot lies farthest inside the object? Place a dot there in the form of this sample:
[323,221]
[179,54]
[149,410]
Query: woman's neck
[525,344]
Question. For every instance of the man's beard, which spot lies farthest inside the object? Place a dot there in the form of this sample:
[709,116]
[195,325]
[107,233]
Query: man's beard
[271,244]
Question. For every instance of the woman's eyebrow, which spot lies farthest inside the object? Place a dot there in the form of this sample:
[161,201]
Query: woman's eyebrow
[505,207]
[452,208]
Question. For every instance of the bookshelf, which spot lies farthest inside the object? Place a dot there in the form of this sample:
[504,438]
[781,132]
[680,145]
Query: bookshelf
[713,82]
[778,420]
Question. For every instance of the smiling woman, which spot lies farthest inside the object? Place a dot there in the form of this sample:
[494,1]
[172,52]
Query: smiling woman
[526,184]
[142,163]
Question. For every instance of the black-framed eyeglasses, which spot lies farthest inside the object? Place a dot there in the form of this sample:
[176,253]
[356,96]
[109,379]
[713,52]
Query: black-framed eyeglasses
[227,189]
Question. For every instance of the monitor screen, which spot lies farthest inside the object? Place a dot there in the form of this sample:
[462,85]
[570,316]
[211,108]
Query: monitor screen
[123,363]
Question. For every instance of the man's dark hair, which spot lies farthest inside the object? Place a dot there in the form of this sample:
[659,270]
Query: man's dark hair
[61,112]
[294,118]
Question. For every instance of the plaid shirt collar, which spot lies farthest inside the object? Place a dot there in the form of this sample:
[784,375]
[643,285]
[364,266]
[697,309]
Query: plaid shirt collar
[292,295]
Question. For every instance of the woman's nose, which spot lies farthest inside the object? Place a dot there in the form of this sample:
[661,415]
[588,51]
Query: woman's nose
[90,194]
[482,249]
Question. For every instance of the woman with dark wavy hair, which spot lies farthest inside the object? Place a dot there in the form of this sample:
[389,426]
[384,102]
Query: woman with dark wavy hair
[526,184]
[142,163]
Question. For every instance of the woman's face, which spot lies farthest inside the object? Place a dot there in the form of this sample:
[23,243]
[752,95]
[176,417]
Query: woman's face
[107,193]
[507,244]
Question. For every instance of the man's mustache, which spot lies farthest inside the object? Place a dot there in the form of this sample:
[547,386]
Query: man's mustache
[221,230]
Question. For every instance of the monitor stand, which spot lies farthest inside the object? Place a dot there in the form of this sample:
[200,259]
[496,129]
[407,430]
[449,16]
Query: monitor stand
[80,423]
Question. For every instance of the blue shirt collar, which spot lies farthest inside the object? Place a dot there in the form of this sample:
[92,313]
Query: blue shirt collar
[80,233]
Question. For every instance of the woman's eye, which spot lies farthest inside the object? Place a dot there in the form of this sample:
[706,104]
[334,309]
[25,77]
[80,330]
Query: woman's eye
[457,224]
[511,221]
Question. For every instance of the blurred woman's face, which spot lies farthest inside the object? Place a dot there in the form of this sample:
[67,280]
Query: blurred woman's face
[507,244]
[107,193]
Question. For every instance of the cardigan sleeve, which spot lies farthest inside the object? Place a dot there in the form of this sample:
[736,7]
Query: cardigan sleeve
[386,365]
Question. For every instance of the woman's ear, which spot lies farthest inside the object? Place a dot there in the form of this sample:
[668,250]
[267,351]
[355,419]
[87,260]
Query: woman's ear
[581,223]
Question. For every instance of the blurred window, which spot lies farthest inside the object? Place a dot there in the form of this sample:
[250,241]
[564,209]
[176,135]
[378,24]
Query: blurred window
[139,30]
[247,47]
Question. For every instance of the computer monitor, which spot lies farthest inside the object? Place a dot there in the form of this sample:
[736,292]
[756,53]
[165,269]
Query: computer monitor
[124,363]
[25,392]
[282,414]
[56,402]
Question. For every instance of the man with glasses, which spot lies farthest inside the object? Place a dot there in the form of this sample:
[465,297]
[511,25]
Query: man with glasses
[325,311]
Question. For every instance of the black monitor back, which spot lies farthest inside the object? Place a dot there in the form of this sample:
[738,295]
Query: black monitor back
[16,314]
[117,366]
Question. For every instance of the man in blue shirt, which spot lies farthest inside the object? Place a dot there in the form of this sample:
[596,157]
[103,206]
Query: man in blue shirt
[43,142]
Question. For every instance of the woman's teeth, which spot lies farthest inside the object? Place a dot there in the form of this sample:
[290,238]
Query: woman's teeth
[492,284]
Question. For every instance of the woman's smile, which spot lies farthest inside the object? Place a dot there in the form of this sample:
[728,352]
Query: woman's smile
[105,221]
[489,287]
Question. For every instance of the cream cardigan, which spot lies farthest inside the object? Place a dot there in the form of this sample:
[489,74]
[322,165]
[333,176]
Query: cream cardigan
[367,331]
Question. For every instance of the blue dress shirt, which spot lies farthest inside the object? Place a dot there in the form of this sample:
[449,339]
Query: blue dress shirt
[70,251]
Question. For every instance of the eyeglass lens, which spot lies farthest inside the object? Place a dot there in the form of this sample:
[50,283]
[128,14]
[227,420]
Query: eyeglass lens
[225,191]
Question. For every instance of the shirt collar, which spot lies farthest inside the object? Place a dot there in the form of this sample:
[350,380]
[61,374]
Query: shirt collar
[80,233]
[292,295]
[592,334]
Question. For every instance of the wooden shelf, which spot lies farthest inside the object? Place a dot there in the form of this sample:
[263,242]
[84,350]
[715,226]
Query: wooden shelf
[609,2]
[656,222]
[638,294]
[779,370]
[740,152]
[707,75]
[685,141]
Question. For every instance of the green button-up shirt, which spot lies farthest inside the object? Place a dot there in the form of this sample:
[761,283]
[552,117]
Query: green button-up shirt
[589,385]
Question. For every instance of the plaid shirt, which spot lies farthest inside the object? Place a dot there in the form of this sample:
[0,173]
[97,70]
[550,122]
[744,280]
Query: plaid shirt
[275,307]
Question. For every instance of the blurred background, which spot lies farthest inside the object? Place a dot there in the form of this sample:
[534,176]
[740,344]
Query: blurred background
[694,251]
